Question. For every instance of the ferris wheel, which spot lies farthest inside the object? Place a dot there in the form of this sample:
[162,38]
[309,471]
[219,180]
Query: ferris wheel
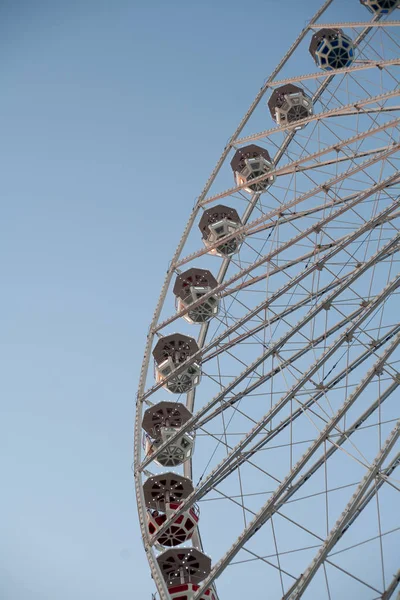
[268,410]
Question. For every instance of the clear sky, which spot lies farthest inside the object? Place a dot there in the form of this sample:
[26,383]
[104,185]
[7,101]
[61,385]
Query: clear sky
[112,115]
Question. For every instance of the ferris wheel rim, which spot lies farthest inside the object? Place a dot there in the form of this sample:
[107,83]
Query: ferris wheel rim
[154,328]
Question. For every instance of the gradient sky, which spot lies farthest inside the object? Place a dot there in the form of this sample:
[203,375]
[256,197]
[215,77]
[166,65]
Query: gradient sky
[112,116]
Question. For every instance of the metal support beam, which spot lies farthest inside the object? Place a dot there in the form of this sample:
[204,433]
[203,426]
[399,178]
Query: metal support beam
[254,330]
[351,108]
[372,64]
[237,451]
[267,510]
[137,450]
[388,593]
[253,227]
[373,260]
[355,24]
[272,433]
[341,524]
[300,161]
[289,361]
[294,281]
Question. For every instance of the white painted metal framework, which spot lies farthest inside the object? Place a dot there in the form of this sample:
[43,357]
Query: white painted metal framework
[297,416]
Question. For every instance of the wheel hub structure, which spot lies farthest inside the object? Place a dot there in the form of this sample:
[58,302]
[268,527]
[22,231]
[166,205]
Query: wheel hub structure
[280,341]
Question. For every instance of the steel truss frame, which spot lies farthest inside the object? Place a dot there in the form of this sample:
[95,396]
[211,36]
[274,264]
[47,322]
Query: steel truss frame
[236,456]
[270,507]
[284,289]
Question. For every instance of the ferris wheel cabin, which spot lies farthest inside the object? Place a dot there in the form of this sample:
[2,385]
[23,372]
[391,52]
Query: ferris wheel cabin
[332,49]
[163,495]
[289,104]
[172,486]
[251,162]
[171,352]
[218,223]
[381,7]
[160,423]
[184,565]
[189,288]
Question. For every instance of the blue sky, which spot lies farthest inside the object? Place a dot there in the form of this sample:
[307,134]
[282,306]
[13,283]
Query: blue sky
[112,116]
